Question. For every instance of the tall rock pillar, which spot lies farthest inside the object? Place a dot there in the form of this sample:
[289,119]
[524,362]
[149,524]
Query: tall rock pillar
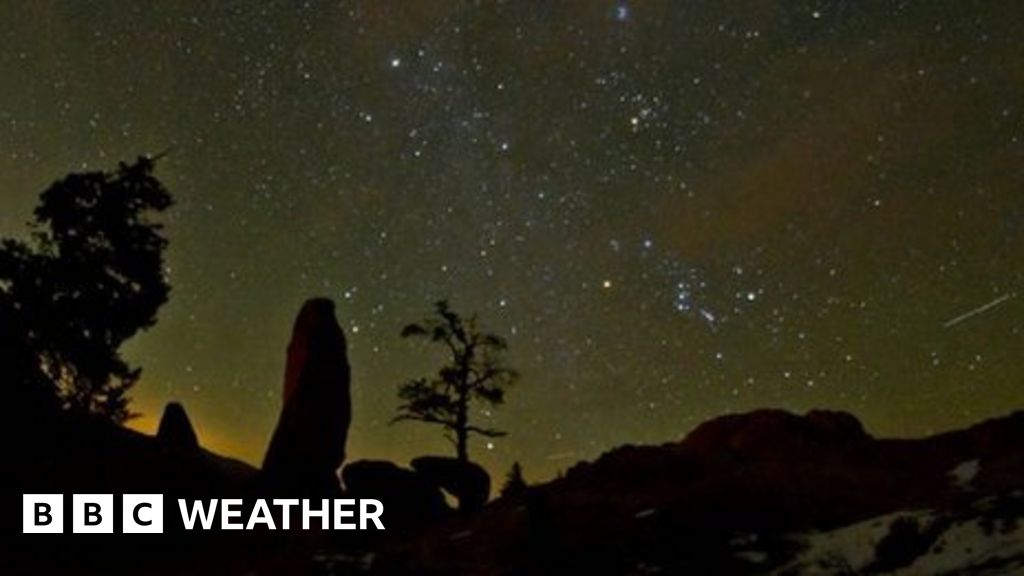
[308,445]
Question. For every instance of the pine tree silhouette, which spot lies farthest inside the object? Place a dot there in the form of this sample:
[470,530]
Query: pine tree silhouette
[473,373]
[91,276]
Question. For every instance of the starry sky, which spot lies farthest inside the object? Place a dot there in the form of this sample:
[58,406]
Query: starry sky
[672,209]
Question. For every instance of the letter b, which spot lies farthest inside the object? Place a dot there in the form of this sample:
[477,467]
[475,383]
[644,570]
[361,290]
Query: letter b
[42,513]
[92,513]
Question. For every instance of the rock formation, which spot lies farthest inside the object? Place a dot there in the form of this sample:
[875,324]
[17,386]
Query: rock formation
[776,433]
[175,431]
[467,481]
[411,499]
[308,445]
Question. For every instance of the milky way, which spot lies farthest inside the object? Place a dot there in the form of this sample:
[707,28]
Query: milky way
[672,210]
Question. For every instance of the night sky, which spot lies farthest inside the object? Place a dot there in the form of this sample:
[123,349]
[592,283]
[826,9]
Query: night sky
[672,209]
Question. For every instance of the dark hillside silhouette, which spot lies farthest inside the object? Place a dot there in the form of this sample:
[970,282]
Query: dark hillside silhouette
[730,499]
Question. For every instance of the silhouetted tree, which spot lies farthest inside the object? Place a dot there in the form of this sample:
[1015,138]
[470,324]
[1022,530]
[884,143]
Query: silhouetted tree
[89,278]
[473,372]
[515,484]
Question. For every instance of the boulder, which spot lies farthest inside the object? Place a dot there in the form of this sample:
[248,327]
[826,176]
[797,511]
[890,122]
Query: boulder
[837,425]
[410,498]
[468,482]
[308,445]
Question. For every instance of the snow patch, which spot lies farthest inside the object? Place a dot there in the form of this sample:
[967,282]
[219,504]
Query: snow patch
[963,475]
[972,548]
[645,513]
[848,549]
[978,541]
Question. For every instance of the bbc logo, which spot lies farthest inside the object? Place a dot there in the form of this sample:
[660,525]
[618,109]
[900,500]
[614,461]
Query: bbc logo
[92,513]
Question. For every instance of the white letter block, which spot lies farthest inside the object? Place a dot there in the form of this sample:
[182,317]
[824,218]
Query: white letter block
[142,513]
[92,513]
[42,513]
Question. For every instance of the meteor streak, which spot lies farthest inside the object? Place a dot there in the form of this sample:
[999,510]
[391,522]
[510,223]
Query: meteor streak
[979,310]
